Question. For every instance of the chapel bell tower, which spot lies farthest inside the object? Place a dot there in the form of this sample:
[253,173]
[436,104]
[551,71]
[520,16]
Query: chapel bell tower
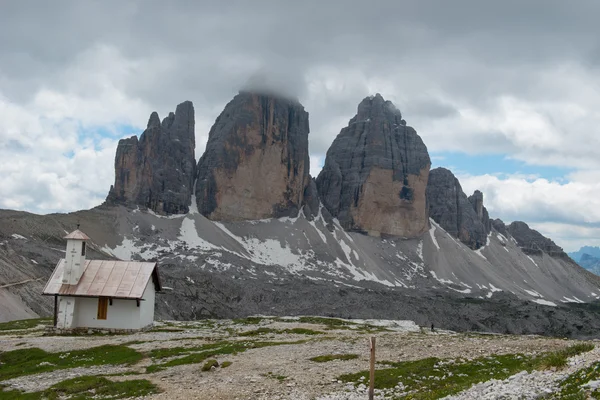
[74,257]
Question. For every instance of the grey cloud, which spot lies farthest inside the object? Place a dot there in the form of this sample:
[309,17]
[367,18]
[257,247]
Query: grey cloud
[429,107]
[434,58]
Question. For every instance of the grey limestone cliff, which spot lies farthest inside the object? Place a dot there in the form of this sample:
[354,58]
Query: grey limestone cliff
[476,200]
[457,214]
[375,173]
[533,242]
[256,162]
[157,170]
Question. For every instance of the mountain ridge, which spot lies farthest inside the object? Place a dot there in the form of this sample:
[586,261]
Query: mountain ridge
[312,259]
[590,250]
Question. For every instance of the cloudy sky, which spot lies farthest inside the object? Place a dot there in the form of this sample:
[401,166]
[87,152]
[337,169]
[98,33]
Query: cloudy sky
[506,93]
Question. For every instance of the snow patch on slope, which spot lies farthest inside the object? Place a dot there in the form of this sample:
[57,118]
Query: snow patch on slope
[316,228]
[487,243]
[441,280]
[189,235]
[173,216]
[492,290]
[432,233]
[531,259]
[572,300]
[544,302]
[420,250]
[533,293]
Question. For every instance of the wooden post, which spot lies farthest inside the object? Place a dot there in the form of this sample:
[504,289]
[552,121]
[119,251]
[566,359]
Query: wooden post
[372,372]
[55,309]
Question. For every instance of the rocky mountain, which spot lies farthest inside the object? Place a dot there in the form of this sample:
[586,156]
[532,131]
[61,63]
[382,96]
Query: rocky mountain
[476,200]
[375,173]
[157,171]
[590,263]
[590,250]
[500,227]
[533,242]
[256,161]
[462,217]
[292,245]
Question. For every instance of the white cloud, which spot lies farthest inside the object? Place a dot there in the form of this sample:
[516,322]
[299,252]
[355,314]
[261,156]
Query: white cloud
[54,157]
[568,213]
[316,163]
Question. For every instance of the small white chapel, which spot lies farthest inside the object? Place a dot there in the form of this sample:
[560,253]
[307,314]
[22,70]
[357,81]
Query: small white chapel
[101,294]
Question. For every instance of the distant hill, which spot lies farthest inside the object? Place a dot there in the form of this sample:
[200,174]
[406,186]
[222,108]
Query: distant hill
[590,263]
[593,251]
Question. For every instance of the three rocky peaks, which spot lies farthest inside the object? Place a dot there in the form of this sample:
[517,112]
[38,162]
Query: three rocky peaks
[376,178]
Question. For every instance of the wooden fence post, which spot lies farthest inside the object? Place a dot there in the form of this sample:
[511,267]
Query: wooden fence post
[372,371]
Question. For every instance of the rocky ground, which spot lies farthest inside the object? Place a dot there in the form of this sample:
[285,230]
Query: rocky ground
[270,358]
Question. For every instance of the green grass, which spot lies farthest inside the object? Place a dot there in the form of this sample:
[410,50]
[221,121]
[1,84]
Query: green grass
[271,375]
[258,332]
[332,357]
[197,355]
[577,349]
[24,324]
[336,323]
[20,333]
[128,373]
[302,331]
[558,359]
[86,387]
[133,342]
[248,321]
[333,323]
[157,354]
[571,387]
[296,331]
[34,361]
[209,364]
[433,378]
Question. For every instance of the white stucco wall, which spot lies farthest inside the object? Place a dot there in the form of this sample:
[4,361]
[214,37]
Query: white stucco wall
[147,306]
[123,314]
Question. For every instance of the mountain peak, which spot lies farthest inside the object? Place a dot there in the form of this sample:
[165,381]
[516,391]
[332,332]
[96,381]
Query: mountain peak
[154,120]
[256,162]
[377,107]
[375,173]
[533,242]
[157,171]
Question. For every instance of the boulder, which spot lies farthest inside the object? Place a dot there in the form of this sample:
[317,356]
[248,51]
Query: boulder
[375,173]
[256,162]
[157,171]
